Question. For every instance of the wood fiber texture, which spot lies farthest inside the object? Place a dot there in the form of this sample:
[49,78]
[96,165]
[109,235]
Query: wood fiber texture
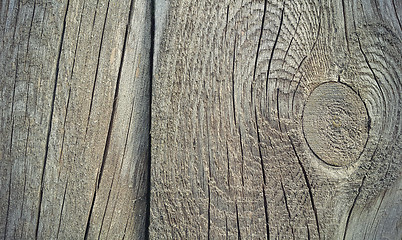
[229,156]
[75,95]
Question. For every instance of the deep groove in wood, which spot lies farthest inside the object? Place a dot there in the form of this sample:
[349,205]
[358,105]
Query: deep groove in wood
[273,50]
[51,118]
[266,213]
[151,76]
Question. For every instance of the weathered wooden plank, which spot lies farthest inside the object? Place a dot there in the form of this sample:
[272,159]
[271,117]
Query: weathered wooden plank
[75,83]
[234,156]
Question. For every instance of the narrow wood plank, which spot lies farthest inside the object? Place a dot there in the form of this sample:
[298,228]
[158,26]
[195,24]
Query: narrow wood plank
[230,156]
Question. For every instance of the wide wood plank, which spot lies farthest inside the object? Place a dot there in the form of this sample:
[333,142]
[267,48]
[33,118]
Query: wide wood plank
[233,153]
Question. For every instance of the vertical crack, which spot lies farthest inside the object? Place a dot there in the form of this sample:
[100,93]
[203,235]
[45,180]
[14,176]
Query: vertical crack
[62,208]
[97,64]
[266,212]
[90,214]
[112,117]
[76,43]
[238,223]
[209,212]
[242,157]
[30,26]
[259,149]
[226,227]
[291,40]
[233,81]
[345,25]
[106,207]
[64,129]
[258,47]
[351,208]
[286,201]
[277,109]
[51,118]
[106,149]
[151,74]
[273,50]
[125,228]
[255,109]
[228,164]
[227,20]
[308,186]
[298,83]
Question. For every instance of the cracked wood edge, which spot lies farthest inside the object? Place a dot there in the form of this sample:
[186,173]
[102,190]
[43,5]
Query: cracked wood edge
[75,95]
[229,159]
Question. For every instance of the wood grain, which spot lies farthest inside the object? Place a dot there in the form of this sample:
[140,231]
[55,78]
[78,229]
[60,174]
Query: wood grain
[75,95]
[229,158]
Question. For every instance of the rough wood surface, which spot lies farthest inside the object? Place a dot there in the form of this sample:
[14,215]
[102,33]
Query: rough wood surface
[75,81]
[230,159]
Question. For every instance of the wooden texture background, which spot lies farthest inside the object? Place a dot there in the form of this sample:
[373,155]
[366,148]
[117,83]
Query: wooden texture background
[246,142]
[75,81]
[229,156]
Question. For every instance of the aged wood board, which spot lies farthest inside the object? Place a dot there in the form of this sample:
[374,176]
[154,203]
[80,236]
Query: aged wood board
[75,84]
[270,119]
[277,120]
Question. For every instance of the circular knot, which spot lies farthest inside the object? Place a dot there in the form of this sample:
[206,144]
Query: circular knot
[335,123]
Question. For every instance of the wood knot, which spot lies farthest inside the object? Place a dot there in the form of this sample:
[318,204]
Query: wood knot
[335,124]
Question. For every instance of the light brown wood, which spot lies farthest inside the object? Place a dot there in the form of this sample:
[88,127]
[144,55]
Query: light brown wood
[229,156]
[75,95]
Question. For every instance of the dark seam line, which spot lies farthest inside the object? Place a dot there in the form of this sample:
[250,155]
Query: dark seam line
[151,73]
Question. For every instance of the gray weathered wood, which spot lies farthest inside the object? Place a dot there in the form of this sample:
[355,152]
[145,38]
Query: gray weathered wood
[75,81]
[230,157]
